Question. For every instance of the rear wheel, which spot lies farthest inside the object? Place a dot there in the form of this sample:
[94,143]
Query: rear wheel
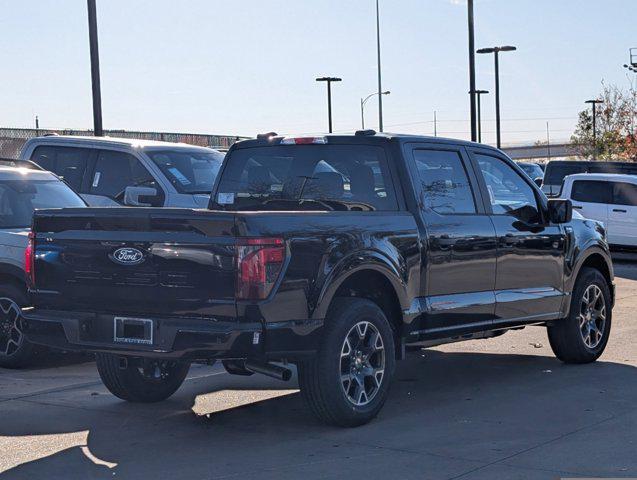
[347,383]
[15,351]
[583,335]
[140,380]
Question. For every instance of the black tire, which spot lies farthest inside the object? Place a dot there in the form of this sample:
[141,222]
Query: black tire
[15,350]
[328,396]
[569,341]
[137,380]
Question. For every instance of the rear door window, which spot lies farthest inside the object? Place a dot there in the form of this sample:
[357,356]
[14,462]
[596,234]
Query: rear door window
[444,182]
[312,177]
[591,191]
[70,163]
[625,194]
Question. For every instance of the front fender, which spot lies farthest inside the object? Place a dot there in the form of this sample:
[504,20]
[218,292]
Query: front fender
[353,263]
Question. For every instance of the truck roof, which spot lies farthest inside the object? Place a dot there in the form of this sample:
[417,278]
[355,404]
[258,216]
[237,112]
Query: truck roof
[608,177]
[129,142]
[364,136]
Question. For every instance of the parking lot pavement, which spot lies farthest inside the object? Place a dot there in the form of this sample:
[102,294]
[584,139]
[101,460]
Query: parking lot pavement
[498,408]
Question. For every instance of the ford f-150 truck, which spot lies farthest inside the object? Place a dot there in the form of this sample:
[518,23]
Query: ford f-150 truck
[336,254]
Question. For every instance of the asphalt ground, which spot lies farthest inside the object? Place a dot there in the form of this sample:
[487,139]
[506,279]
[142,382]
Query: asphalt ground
[485,409]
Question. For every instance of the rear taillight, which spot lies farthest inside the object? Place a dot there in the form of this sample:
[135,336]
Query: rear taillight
[259,264]
[29,260]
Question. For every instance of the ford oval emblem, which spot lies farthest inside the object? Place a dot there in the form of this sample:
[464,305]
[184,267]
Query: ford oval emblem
[127,256]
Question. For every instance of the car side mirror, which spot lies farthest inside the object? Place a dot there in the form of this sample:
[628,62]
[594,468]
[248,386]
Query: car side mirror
[538,181]
[560,210]
[139,196]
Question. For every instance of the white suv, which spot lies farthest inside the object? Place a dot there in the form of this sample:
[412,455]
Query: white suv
[110,171]
[609,198]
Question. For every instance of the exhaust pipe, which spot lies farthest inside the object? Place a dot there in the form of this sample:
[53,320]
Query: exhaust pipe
[269,369]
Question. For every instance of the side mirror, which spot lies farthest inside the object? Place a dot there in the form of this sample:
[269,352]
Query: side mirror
[560,210]
[139,196]
[538,181]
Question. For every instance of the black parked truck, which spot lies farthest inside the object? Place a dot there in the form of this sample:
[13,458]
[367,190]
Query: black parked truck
[336,254]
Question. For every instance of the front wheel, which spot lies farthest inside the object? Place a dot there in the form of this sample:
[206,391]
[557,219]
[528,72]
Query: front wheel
[583,335]
[15,350]
[140,380]
[347,383]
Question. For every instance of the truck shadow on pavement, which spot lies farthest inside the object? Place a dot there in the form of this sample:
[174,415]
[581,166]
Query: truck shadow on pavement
[447,413]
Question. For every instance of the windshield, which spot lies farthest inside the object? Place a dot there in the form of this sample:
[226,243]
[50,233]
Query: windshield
[533,170]
[310,177]
[191,171]
[19,198]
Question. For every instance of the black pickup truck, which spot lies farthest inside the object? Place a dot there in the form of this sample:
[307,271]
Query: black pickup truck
[336,254]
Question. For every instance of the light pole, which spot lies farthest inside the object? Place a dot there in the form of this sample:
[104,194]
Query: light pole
[380,86]
[478,94]
[472,70]
[329,81]
[593,104]
[95,69]
[496,54]
[364,101]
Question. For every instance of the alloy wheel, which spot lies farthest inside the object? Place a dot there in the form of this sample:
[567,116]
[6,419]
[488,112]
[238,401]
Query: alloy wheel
[592,316]
[362,363]
[11,336]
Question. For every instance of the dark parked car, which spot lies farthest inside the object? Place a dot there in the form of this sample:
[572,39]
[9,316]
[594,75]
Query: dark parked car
[332,253]
[533,170]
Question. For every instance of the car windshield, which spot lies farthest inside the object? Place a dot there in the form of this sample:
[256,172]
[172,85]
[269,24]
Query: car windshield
[306,177]
[190,171]
[533,170]
[19,198]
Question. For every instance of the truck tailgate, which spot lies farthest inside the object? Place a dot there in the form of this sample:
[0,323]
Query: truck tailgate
[135,260]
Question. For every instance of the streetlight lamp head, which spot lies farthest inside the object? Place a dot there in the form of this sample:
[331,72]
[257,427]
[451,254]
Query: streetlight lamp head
[386,92]
[486,50]
[508,48]
[329,79]
[594,101]
[482,92]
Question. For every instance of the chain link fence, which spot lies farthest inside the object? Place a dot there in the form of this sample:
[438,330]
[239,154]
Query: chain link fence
[13,139]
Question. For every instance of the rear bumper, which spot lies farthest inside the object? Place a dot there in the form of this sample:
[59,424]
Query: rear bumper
[174,338]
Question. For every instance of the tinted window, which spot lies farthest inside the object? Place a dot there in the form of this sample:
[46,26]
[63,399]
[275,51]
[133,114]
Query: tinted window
[533,170]
[509,193]
[591,191]
[444,181]
[67,162]
[114,171]
[18,199]
[292,177]
[189,172]
[625,194]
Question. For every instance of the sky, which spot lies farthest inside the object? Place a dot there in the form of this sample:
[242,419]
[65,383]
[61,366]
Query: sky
[243,67]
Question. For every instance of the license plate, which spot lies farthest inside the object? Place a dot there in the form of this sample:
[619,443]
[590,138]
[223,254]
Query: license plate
[133,330]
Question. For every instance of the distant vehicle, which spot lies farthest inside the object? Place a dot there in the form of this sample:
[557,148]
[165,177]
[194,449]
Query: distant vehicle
[609,198]
[21,191]
[109,171]
[533,170]
[557,170]
[334,253]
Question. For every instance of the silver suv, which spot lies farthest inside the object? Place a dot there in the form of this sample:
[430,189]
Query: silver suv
[108,171]
[22,190]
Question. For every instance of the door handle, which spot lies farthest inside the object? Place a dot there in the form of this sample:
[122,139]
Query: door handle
[619,210]
[509,240]
[577,206]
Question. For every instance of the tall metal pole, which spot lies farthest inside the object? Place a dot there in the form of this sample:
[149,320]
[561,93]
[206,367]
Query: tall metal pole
[362,115]
[497,99]
[435,124]
[95,69]
[37,126]
[472,70]
[479,119]
[329,104]
[594,107]
[380,87]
